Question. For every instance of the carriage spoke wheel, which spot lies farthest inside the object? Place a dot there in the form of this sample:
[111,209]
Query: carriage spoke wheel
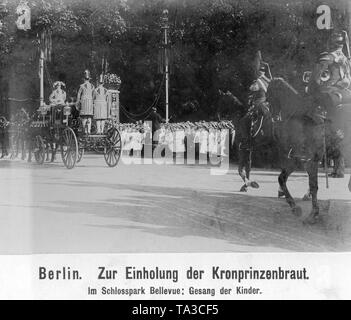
[69,148]
[113,147]
[40,150]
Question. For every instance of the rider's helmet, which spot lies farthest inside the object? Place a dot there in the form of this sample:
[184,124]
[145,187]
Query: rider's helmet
[336,41]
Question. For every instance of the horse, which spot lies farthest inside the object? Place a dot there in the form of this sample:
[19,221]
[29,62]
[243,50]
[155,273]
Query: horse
[295,128]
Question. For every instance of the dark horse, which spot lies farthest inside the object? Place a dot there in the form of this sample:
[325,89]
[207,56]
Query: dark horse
[295,129]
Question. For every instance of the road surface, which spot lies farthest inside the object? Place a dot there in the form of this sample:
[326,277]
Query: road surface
[160,208]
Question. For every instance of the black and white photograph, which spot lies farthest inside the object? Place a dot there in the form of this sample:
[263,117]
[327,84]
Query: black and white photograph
[160,128]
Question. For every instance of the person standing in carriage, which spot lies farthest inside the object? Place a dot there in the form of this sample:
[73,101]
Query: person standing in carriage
[330,86]
[85,102]
[101,112]
[58,95]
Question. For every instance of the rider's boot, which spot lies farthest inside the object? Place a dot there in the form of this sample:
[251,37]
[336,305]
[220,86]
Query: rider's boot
[280,193]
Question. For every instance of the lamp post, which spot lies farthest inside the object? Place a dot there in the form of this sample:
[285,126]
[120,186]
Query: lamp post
[165,27]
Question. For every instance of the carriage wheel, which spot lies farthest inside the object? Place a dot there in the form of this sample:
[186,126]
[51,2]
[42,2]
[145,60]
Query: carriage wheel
[113,147]
[69,148]
[40,150]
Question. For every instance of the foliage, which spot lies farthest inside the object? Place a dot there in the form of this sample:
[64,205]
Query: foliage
[213,45]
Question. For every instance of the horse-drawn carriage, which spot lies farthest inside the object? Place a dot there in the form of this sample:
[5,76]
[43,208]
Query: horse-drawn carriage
[60,128]
[57,128]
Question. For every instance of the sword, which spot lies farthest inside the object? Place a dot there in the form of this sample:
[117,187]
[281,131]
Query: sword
[347,44]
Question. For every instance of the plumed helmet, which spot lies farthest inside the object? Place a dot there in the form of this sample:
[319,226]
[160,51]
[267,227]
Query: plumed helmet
[101,79]
[336,40]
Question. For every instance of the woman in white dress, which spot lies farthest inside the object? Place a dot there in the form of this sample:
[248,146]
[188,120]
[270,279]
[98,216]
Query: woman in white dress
[85,102]
[100,97]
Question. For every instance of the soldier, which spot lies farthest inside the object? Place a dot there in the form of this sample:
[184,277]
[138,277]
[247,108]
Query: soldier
[156,125]
[330,85]
[85,102]
[331,80]
[257,103]
[58,95]
[101,112]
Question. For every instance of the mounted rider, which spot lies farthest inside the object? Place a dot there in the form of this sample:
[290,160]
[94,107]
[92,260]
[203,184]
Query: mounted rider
[258,90]
[330,82]
[257,102]
[330,85]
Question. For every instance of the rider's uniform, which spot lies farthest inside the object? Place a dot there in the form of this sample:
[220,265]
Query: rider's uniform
[332,78]
[330,85]
[257,106]
[257,97]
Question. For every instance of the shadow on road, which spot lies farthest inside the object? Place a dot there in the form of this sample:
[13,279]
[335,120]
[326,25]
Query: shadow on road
[238,219]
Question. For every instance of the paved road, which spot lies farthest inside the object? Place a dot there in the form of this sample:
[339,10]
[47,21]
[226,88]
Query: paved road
[152,208]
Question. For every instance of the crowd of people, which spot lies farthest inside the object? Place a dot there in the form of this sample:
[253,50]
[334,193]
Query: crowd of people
[210,138]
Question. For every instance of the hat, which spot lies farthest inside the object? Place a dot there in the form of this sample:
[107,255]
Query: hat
[101,79]
[58,84]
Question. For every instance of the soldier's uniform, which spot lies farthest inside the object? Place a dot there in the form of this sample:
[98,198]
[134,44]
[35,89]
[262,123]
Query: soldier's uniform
[330,85]
[331,79]
[258,106]
[85,101]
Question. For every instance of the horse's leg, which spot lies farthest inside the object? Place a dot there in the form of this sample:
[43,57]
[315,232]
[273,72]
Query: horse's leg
[47,151]
[53,151]
[244,168]
[307,195]
[30,149]
[282,179]
[281,193]
[6,144]
[250,183]
[23,146]
[17,146]
[312,170]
